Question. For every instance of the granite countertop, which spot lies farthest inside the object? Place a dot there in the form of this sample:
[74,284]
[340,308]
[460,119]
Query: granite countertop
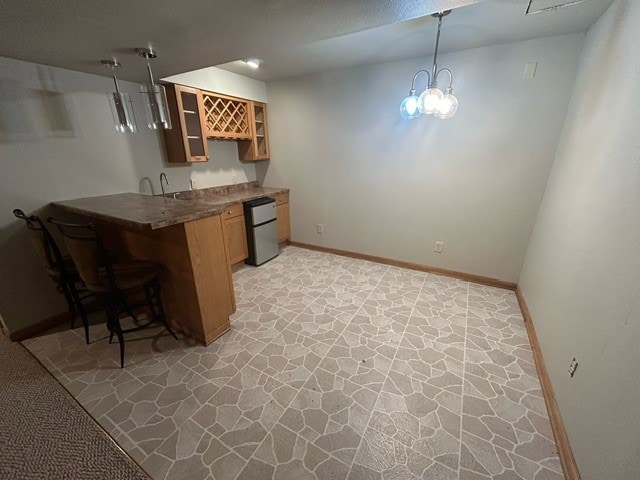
[148,212]
[228,194]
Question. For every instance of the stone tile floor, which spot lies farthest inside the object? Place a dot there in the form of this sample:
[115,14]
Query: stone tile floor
[334,368]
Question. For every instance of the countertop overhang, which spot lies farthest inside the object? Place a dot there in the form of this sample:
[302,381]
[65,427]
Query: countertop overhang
[147,212]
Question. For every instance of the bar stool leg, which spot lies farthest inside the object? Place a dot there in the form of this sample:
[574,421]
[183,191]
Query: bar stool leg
[115,327]
[64,288]
[83,313]
[120,341]
[155,301]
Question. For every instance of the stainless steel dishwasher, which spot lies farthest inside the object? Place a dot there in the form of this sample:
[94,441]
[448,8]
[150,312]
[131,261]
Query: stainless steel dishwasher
[262,230]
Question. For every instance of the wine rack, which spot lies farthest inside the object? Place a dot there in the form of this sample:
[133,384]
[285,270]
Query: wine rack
[226,118]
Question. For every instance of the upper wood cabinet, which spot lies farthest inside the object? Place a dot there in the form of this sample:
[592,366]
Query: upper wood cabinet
[197,115]
[258,147]
[226,118]
[185,141]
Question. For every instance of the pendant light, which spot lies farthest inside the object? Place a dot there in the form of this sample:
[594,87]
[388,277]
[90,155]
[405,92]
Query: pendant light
[432,101]
[155,96]
[120,103]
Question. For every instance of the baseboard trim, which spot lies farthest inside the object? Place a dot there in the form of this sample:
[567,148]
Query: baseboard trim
[567,460]
[37,328]
[492,282]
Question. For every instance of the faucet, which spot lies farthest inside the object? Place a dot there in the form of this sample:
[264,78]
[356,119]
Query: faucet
[163,175]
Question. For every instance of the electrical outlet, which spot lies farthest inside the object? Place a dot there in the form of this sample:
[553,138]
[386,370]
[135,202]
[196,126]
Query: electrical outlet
[320,228]
[194,184]
[234,178]
[439,248]
[573,367]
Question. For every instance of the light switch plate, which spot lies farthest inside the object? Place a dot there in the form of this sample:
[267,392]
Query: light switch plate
[530,70]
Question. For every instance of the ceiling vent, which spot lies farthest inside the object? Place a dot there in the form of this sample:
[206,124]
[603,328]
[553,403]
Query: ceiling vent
[542,6]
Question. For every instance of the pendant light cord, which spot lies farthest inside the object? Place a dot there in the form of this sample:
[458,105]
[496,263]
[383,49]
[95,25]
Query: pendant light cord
[115,81]
[150,74]
[434,69]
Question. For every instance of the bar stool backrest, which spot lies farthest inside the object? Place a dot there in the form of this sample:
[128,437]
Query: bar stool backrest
[44,244]
[88,253]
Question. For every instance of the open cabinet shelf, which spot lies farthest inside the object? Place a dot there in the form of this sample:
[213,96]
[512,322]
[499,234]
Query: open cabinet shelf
[257,148]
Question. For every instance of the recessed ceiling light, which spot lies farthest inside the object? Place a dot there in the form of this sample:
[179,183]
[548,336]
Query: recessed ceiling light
[253,62]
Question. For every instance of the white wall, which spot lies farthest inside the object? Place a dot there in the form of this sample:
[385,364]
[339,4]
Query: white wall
[390,187]
[581,277]
[57,141]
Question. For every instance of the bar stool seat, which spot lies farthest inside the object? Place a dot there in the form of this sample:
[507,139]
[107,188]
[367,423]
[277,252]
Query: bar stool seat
[66,265]
[122,287]
[128,275]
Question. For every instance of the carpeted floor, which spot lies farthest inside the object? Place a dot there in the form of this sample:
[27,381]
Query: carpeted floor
[45,433]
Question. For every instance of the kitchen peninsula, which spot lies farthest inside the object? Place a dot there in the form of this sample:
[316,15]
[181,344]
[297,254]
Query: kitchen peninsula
[188,237]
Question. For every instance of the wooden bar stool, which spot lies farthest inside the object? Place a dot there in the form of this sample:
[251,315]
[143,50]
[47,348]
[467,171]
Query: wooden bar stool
[60,268]
[122,287]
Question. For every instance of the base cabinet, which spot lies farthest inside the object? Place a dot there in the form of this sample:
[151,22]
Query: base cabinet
[284,227]
[282,214]
[197,287]
[235,235]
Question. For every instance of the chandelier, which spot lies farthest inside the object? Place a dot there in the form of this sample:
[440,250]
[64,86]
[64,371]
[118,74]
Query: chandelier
[432,101]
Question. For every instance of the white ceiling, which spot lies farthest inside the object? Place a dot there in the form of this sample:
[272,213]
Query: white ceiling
[491,22]
[293,37]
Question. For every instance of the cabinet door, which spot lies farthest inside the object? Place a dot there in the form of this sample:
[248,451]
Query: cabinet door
[258,147]
[284,225]
[236,239]
[185,142]
[261,136]
[195,141]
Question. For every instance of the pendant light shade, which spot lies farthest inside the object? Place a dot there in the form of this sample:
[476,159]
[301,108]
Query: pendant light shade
[432,101]
[155,97]
[124,119]
[448,106]
[409,106]
[156,106]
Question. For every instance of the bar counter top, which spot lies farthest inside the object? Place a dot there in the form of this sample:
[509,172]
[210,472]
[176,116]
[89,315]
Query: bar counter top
[147,212]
